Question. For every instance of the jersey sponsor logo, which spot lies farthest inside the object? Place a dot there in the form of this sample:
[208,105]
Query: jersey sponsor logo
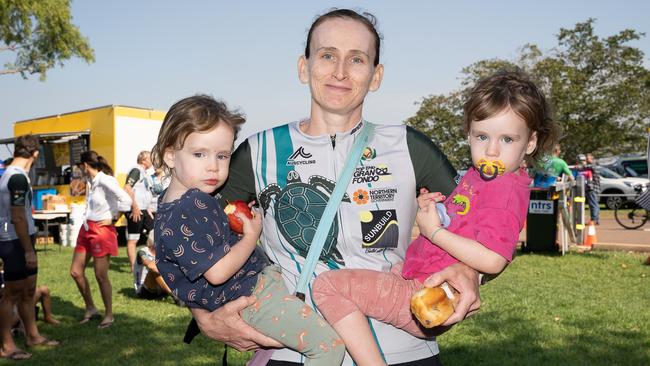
[383,194]
[300,157]
[368,153]
[362,196]
[18,198]
[372,174]
[379,229]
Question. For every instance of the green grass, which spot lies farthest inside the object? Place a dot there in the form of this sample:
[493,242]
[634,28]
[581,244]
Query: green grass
[145,332]
[580,309]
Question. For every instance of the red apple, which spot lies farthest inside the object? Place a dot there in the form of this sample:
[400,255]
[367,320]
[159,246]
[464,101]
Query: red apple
[235,223]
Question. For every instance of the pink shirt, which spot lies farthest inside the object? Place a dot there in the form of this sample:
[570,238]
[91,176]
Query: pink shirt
[490,212]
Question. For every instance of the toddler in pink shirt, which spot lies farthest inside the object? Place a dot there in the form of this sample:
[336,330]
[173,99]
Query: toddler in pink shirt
[507,121]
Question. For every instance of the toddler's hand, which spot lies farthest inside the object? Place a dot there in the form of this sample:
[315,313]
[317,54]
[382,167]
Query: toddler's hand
[425,197]
[428,219]
[252,227]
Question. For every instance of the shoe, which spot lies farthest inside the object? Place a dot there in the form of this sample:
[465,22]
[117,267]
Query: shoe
[18,355]
[44,343]
[89,317]
[104,325]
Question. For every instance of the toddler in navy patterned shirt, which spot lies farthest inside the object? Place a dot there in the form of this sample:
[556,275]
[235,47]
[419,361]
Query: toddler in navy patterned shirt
[201,260]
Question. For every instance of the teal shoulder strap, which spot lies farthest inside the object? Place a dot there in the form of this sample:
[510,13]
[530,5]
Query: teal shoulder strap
[332,207]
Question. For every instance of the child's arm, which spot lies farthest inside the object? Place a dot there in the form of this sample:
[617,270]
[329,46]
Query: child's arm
[227,266]
[468,251]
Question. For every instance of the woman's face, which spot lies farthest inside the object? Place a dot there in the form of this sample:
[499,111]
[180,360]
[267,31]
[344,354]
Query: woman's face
[84,169]
[340,69]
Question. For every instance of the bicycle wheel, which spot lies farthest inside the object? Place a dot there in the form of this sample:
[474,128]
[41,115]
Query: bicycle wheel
[631,219]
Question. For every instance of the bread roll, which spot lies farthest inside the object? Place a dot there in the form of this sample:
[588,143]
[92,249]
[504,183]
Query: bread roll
[432,306]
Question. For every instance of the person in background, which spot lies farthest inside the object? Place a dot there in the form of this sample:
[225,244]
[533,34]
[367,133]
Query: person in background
[552,167]
[17,238]
[593,189]
[42,296]
[147,282]
[139,220]
[159,182]
[97,239]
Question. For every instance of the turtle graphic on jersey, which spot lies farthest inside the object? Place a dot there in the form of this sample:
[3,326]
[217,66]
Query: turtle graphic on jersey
[298,209]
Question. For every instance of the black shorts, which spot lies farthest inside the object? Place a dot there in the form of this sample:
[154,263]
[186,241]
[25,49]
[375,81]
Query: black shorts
[136,229]
[13,258]
[431,361]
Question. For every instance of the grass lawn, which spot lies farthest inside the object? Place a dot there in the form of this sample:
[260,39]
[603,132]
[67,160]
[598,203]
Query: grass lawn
[580,309]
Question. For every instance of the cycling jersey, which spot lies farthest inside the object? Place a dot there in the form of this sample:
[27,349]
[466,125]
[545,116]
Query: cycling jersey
[292,175]
[15,190]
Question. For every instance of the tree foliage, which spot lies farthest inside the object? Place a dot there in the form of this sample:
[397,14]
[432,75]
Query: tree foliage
[598,87]
[40,34]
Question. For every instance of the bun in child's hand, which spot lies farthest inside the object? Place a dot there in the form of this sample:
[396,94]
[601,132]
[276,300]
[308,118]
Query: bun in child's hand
[432,307]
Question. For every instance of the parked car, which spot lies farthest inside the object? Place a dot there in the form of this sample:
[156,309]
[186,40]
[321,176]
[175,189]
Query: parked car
[627,166]
[614,183]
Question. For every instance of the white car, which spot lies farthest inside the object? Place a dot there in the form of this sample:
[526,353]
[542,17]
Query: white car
[613,183]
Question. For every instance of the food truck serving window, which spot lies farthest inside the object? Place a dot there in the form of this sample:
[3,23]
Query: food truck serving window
[59,153]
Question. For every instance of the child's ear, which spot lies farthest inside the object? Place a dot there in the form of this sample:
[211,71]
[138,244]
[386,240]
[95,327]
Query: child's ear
[168,157]
[532,143]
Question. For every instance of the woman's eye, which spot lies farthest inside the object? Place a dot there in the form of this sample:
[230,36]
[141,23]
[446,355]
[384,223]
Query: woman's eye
[481,137]
[507,139]
[198,154]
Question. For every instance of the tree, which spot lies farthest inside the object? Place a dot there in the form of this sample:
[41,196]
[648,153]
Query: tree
[41,34]
[598,87]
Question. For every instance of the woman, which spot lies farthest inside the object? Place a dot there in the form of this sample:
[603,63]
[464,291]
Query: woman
[340,66]
[98,237]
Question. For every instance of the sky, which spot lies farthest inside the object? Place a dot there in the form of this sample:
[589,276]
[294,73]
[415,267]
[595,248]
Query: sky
[150,53]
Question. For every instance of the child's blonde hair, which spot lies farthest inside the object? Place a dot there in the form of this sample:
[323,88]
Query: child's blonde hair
[199,113]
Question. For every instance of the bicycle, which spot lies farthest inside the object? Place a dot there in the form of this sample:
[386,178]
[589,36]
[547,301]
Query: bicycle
[631,215]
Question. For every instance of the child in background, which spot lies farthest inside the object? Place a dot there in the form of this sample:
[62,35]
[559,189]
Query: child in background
[507,121]
[204,263]
[147,282]
[42,295]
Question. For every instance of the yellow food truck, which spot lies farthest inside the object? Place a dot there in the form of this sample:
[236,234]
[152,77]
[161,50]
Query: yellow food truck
[118,133]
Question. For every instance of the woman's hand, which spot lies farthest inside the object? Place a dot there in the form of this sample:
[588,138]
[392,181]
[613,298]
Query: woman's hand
[463,279]
[226,325]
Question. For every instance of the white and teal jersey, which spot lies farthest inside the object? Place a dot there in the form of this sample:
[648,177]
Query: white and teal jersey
[15,190]
[292,175]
